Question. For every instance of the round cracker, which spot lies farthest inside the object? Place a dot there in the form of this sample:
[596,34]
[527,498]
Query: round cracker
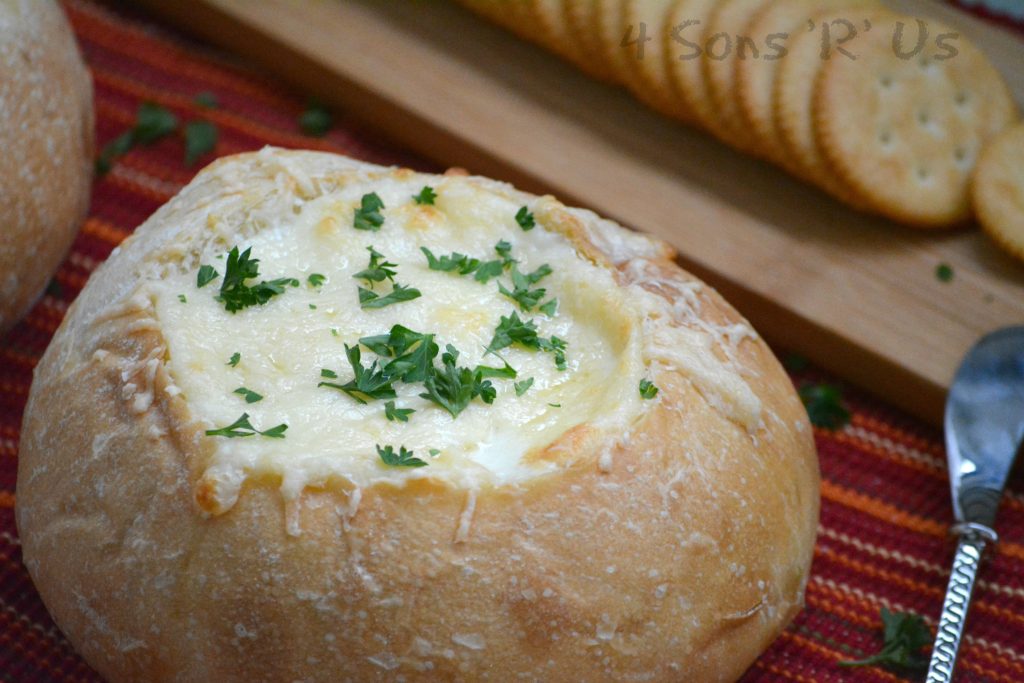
[997,190]
[650,82]
[905,134]
[549,16]
[579,18]
[610,29]
[755,78]
[686,76]
[792,104]
[729,19]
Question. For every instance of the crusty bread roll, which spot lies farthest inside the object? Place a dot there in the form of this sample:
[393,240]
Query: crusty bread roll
[46,134]
[576,532]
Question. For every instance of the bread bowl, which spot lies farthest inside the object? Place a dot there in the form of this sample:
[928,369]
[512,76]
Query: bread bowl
[576,528]
[46,133]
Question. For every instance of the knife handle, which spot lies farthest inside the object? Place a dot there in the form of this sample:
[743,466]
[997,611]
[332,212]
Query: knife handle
[973,538]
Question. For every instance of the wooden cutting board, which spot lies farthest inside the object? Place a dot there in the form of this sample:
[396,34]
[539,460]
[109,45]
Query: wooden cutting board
[857,295]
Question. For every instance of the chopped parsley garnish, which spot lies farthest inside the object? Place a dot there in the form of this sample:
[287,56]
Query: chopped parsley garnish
[235,357]
[152,122]
[312,307]
[434,452]
[525,219]
[549,308]
[200,138]
[454,262]
[242,428]
[397,414]
[426,196]
[556,347]
[489,270]
[368,384]
[453,387]
[504,250]
[944,272]
[906,634]
[368,299]
[521,293]
[205,276]
[824,403]
[555,405]
[507,372]
[403,458]
[511,330]
[316,121]
[378,269]
[647,389]
[316,279]
[368,216]
[523,387]
[331,374]
[794,362]
[412,353]
[182,299]
[249,395]
[236,295]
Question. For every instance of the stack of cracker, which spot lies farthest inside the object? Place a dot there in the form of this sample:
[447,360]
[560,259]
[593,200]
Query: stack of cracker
[887,113]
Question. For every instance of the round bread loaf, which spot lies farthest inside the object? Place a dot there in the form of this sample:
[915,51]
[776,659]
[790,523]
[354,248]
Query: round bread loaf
[46,134]
[619,485]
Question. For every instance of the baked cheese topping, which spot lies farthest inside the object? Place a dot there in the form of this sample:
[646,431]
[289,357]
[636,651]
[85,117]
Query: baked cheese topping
[285,345]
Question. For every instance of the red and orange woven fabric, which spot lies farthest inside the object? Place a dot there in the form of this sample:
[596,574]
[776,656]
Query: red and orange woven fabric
[885,512]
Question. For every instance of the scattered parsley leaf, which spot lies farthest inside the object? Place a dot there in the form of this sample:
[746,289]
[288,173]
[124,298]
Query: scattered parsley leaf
[368,299]
[434,452]
[489,270]
[794,362]
[153,122]
[200,138]
[426,196]
[249,395]
[235,294]
[55,289]
[555,405]
[316,280]
[647,389]
[312,307]
[507,372]
[412,353]
[206,99]
[525,219]
[334,331]
[521,293]
[824,404]
[397,414]
[182,299]
[368,216]
[368,384]
[453,387]
[504,250]
[235,357]
[404,458]
[511,330]
[944,272]
[205,276]
[378,269]
[906,634]
[117,147]
[331,374]
[242,428]
[550,308]
[316,121]
[523,387]
[454,262]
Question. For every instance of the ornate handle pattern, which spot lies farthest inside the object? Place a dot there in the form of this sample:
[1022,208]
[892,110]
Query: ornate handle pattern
[958,598]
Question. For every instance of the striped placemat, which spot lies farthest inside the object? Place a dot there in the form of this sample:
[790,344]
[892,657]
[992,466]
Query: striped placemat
[885,504]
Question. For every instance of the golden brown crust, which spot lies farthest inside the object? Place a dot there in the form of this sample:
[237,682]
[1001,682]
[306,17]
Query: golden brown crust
[678,550]
[46,133]
[997,190]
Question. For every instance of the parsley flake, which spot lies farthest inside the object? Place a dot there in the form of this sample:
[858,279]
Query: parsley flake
[200,138]
[453,387]
[524,386]
[182,299]
[316,280]
[824,403]
[368,216]
[368,299]
[489,270]
[527,298]
[525,219]
[550,308]
[316,121]
[397,414]
[205,276]
[647,389]
[412,353]
[235,294]
[378,269]
[454,262]
[243,428]
[944,272]
[404,458]
[235,357]
[206,99]
[426,196]
[249,395]
[368,384]
[906,634]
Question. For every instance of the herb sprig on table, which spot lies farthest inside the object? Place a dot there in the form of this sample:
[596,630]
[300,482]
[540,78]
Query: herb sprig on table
[906,634]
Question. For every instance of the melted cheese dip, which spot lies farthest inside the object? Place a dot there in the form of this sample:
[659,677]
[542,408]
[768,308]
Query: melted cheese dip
[284,345]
